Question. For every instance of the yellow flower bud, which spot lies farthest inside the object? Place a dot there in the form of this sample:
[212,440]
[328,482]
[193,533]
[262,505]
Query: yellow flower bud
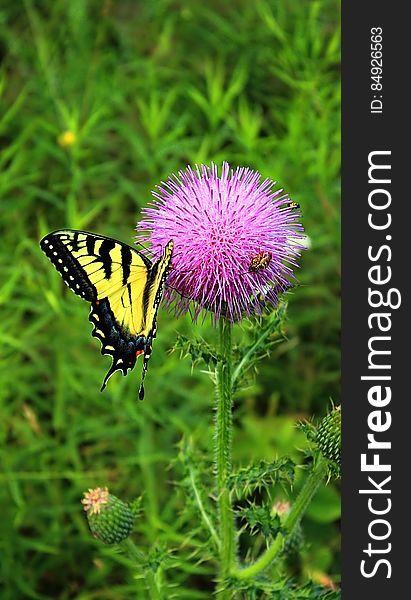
[66,139]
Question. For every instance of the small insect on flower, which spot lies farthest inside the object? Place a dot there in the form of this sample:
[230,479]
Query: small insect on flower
[260,262]
[293,205]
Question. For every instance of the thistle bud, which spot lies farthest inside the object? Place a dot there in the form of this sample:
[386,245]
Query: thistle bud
[295,541]
[328,439]
[110,519]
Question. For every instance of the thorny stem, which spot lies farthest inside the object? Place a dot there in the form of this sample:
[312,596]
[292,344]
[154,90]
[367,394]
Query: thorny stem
[223,442]
[298,509]
[153,585]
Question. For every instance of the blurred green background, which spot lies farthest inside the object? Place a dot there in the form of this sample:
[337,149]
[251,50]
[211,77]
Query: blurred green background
[145,88]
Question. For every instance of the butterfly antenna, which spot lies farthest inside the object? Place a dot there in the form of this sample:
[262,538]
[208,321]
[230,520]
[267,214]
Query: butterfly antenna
[137,243]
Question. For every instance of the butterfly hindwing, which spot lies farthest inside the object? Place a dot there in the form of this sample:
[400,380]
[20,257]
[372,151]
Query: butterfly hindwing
[124,289]
[115,341]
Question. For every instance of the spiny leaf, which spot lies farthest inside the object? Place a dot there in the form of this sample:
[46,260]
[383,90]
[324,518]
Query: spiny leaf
[158,556]
[136,506]
[308,428]
[260,519]
[262,475]
[197,349]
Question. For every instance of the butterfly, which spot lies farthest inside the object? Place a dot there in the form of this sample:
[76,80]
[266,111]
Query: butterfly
[260,262]
[124,287]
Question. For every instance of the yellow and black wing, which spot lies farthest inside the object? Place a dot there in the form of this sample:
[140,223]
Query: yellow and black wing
[123,286]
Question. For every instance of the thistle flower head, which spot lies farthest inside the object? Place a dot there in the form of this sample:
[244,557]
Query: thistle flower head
[110,519]
[236,239]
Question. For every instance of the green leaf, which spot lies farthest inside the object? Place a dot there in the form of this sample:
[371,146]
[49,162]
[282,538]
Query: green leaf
[326,505]
[262,475]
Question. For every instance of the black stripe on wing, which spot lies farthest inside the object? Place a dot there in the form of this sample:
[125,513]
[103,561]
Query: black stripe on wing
[126,258]
[68,266]
[104,255]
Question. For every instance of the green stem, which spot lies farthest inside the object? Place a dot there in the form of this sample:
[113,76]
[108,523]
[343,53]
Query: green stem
[223,437]
[139,559]
[297,511]
[154,588]
[203,511]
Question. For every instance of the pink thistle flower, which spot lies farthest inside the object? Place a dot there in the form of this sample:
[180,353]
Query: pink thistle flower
[236,240]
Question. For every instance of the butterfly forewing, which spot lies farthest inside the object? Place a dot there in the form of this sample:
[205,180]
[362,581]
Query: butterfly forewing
[93,266]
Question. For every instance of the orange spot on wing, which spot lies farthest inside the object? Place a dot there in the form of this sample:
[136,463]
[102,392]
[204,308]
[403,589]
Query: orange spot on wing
[139,352]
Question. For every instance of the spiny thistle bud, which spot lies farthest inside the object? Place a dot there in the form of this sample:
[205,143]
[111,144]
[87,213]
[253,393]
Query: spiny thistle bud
[110,519]
[328,439]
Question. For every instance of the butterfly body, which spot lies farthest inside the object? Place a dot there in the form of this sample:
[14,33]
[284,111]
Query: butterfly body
[260,261]
[123,286]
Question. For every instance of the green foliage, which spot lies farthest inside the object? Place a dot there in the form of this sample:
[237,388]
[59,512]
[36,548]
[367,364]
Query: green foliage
[326,508]
[196,482]
[261,520]
[284,589]
[144,89]
[264,331]
[262,475]
[197,349]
